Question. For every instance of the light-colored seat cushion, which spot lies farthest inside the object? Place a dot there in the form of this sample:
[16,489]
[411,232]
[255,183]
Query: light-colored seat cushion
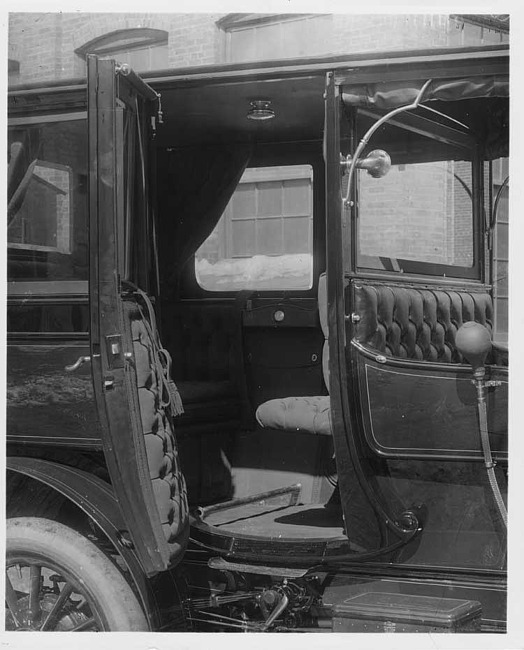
[305,414]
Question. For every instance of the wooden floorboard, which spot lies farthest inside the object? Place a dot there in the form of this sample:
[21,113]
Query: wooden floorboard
[277,521]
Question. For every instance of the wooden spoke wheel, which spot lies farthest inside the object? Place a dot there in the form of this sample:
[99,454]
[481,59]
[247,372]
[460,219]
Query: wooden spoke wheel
[58,580]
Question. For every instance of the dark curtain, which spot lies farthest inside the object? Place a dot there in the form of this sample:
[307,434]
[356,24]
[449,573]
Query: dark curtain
[194,188]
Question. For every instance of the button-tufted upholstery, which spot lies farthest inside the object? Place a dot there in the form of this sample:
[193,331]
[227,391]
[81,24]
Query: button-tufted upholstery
[412,323]
[164,466]
[311,414]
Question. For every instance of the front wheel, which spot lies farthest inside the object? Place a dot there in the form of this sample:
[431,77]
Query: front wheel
[57,580]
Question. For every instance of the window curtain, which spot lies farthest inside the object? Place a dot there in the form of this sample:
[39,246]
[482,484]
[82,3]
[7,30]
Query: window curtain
[194,188]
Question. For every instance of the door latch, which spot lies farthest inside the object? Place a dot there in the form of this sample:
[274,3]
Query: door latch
[115,355]
[79,362]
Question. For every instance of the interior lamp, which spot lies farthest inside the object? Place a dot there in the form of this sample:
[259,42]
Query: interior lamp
[260,110]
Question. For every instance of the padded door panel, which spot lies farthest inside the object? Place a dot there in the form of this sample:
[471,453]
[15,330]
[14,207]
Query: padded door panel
[416,395]
[412,413]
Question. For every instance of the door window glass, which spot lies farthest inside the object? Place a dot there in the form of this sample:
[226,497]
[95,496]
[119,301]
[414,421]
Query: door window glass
[421,212]
[501,249]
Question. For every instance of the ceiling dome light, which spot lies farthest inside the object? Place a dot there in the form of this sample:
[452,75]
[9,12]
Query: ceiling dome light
[260,110]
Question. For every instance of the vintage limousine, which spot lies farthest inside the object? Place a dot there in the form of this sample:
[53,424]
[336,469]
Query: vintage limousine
[257,376]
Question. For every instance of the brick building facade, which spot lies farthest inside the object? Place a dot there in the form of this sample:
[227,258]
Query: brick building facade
[50,46]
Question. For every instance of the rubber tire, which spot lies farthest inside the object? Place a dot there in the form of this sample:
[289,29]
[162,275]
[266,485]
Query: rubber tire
[82,560]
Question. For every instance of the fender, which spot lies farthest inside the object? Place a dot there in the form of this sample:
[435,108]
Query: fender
[98,501]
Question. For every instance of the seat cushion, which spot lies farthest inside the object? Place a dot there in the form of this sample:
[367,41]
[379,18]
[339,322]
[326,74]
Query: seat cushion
[306,414]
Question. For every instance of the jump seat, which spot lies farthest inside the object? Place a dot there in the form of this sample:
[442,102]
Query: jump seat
[311,414]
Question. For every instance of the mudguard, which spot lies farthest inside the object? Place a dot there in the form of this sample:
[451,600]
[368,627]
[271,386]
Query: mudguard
[97,499]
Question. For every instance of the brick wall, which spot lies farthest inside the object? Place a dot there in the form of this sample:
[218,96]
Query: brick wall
[44,44]
[368,33]
[418,212]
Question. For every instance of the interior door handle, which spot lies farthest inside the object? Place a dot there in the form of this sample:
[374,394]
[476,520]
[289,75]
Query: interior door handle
[79,362]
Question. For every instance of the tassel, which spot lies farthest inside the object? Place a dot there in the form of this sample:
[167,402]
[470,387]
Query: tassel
[175,400]
[169,393]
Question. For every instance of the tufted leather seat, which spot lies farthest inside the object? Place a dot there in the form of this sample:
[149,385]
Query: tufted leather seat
[311,414]
[413,323]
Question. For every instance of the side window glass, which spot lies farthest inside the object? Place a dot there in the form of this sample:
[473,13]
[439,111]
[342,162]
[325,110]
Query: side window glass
[43,221]
[264,239]
[501,249]
[47,206]
[421,212]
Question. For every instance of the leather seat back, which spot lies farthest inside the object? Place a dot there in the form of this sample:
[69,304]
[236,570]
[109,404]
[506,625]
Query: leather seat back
[417,323]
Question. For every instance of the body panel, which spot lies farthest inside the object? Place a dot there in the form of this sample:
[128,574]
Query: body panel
[402,505]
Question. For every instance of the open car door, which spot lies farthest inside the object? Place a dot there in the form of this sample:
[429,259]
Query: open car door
[408,432]
[136,399]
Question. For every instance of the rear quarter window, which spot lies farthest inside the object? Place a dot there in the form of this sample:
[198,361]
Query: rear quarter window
[47,235]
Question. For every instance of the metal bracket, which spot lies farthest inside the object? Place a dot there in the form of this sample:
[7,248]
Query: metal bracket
[492,383]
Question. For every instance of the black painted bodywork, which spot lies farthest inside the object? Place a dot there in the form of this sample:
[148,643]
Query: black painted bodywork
[405,431]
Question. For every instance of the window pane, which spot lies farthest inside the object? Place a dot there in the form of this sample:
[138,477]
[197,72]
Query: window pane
[243,238]
[268,41]
[264,238]
[242,45]
[47,194]
[297,235]
[501,251]
[280,39]
[269,237]
[243,203]
[269,199]
[159,57]
[420,212]
[296,196]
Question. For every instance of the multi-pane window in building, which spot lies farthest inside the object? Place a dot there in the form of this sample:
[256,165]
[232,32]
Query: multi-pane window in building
[264,239]
[143,49]
[252,38]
